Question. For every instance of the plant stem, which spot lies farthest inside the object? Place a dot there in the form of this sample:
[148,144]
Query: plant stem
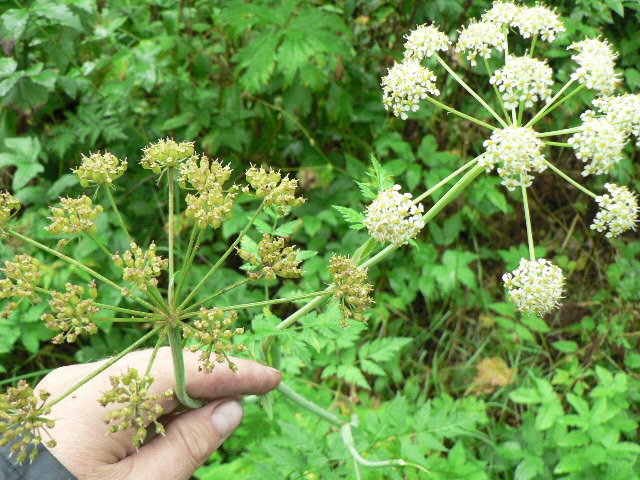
[161,338]
[99,244]
[533,45]
[156,297]
[560,144]
[470,90]
[439,185]
[459,113]
[120,309]
[97,372]
[175,341]
[27,375]
[130,319]
[224,290]
[564,131]
[298,399]
[544,109]
[495,89]
[191,253]
[570,180]
[293,318]
[222,259]
[171,233]
[114,206]
[527,217]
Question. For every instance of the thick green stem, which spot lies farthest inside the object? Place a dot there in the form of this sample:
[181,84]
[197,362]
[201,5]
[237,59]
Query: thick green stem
[222,259]
[459,113]
[97,372]
[548,105]
[559,144]
[446,180]
[298,399]
[175,340]
[114,206]
[527,216]
[570,180]
[171,233]
[471,91]
[564,131]
[533,45]
[293,318]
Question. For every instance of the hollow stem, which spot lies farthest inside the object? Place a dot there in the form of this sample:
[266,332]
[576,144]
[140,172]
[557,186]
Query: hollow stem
[106,365]
[172,195]
[570,180]
[175,341]
[298,399]
[527,216]
[459,113]
[115,209]
[470,90]
[222,258]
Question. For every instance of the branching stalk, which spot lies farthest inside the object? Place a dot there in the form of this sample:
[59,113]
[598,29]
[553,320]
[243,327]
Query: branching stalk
[527,216]
[570,180]
[175,341]
[114,206]
[459,113]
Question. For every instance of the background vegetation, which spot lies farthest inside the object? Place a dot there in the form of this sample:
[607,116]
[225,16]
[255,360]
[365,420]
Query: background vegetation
[446,374]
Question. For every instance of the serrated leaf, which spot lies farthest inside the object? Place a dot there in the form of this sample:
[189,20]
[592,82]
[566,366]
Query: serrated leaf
[60,13]
[287,228]
[367,191]
[12,23]
[381,176]
[383,349]
[352,374]
[525,395]
[351,216]
[565,346]
[23,154]
[371,368]
[7,65]
[258,59]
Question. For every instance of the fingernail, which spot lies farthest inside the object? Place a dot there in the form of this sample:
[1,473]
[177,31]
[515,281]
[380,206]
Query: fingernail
[275,371]
[227,417]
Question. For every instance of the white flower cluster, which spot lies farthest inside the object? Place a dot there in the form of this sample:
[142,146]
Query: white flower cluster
[599,145]
[618,211]
[597,63]
[519,152]
[480,38]
[405,85]
[538,21]
[624,111]
[523,79]
[535,286]
[501,13]
[424,41]
[393,217]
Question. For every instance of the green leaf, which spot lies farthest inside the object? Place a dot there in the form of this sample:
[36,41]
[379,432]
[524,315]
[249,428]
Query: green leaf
[548,414]
[12,23]
[7,65]
[371,368]
[59,13]
[525,395]
[529,468]
[23,154]
[384,349]
[257,59]
[571,462]
[351,216]
[352,374]
[565,346]
[287,228]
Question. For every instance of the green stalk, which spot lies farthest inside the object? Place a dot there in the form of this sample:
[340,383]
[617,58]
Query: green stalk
[27,375]
[97,372]
[114,206]
[293,318]
[171,232]
[175,341]
[224,290]
[560,144]
[533,45]
[298,399]
[194,243]
[459,113]
[570,180]
[222,259]
[121,310]
[495,89]
[76,263]
[439,185]
[156,297]
[130,319]
[471,91]
[544,109]
[557,104]
[99,244]
[564,131]
[161,338]
[527,216]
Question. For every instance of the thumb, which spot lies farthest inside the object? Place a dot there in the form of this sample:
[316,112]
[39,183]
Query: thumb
[190,439]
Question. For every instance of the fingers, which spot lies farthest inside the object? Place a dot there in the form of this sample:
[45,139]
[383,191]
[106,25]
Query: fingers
[190,439]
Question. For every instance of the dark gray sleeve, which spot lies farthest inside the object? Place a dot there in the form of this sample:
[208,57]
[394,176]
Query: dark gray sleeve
[44,467]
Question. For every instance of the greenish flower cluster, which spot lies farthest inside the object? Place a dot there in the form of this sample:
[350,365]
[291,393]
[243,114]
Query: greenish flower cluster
[352,289]
[141,406]
[8,203]
[203,174]
[100,169]
[214,337]
[73,314]
[273,188]
[74,215]
[22,276]
[140,267]
[22,416]
[165,154]
[273,259]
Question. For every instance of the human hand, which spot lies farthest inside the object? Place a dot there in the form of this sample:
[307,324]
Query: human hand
[86,450]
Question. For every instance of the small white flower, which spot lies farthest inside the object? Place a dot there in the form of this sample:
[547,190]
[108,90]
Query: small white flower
[539,20]
[501,13]
[518,151]
[623,111]
[480,38]
[596,60]
[535,286]
[599,145]
[618,211]
[523,79]
[405,85]
[393,217]
[424,41]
